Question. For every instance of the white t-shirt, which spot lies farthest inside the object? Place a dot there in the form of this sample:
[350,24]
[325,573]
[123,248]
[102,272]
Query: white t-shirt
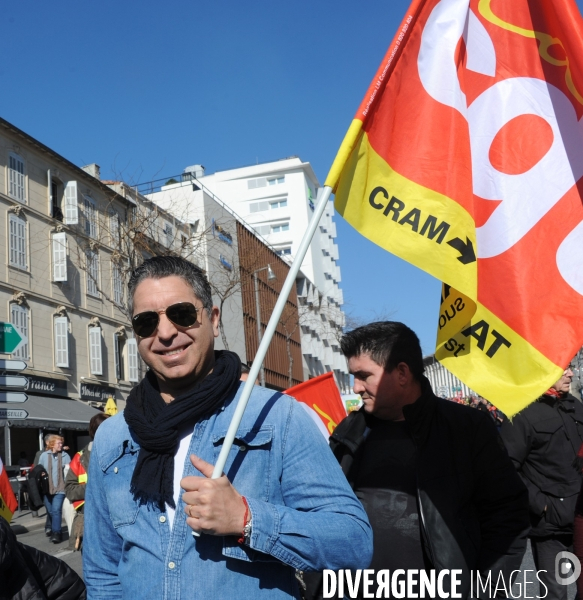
[179,460]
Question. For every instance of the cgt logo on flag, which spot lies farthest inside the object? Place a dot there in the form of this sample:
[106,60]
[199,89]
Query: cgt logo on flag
[465,158]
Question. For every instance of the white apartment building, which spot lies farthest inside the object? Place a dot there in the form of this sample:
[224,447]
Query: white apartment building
[277,199]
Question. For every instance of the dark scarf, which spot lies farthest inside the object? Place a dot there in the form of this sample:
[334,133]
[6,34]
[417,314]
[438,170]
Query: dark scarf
[156,425]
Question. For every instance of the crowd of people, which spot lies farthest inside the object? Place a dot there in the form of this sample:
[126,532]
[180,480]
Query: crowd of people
[424,483]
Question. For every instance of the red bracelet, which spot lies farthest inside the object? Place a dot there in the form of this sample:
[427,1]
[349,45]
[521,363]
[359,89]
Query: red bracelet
[241,540]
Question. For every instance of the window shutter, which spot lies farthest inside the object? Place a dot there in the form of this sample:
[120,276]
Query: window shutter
[50,192]
[17,242]
[71,211]
[95,351]
[60,256]
[61,342]
[133,367]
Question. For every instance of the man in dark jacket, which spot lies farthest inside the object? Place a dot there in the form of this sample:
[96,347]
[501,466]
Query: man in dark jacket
[433,476]
[542,442]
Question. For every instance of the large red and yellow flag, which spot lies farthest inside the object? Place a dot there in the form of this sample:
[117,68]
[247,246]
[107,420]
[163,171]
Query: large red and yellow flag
[465,158]
[8,502]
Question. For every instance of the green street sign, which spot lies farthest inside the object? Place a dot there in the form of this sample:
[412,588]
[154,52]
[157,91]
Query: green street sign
[10,338]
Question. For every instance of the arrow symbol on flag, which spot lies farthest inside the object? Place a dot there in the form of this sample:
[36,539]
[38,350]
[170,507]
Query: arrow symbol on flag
[466,249]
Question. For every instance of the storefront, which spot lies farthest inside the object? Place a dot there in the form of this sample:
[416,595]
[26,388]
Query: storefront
[49,410]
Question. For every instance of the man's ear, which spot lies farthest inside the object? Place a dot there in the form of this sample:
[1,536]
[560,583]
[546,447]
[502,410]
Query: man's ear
[215,314]
[405,375]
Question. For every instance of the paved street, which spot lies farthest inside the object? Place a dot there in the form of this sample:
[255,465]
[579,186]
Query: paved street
[31,531]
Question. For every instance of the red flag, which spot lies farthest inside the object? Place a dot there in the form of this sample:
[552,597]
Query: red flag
[8,502]
[465,158]
[321,394]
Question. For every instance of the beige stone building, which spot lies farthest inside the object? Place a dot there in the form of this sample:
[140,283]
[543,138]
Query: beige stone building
[67,243]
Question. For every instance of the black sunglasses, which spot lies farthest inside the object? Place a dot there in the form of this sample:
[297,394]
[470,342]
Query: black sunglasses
[182,314]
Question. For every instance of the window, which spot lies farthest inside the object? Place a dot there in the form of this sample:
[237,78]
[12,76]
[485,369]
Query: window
[19,318]
[117,283]
[90,215]
[168,235]
[133,365]
[92,272]
[118,355]
[265,205]
[276,180]
[71,204]
[256,183]
[16,188]
[280,227]
[17,242]
[258,206]
[278,203]
[263,229]
[283,251]
[95,365]
[61,341]
[55,199]
[114,228]
[60,256]
[225,263]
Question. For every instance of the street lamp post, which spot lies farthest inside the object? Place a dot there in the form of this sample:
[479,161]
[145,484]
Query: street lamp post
[270,277]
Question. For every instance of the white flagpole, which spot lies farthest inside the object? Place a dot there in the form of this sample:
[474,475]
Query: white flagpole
[324,196]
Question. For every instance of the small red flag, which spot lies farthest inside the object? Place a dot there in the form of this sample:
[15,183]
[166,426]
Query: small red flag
[8,502]
[322,395]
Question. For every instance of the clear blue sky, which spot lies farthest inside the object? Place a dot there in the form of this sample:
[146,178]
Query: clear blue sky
[146,88]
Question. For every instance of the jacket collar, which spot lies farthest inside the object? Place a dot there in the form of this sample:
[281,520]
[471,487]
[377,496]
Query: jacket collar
[420,414]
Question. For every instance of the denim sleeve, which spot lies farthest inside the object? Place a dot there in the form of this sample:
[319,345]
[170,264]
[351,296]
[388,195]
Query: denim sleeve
[322,525]
[102,546]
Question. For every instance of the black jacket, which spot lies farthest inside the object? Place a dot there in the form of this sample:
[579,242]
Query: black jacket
[473,508]
[29,574]
[542,442]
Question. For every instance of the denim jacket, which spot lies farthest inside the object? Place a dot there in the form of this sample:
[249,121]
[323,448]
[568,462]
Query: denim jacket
[305,516]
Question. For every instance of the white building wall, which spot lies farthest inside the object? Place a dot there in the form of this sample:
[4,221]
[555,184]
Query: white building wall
[256,194]
[212,252]
[443,382]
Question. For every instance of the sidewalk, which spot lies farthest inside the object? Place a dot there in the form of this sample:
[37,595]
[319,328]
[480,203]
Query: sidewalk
[24,521]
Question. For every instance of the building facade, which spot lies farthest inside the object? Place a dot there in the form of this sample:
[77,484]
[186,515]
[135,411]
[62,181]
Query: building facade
[230,251]
[277,200]
[443,382]
[68,244]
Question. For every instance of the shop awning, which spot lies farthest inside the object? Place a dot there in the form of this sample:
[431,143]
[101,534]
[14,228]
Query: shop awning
[44,411]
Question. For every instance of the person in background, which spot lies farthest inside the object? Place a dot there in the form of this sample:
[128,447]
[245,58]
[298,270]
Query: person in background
[542,442]
[23,461]
[34,464]
[54,461]
[433,476]
[40,452]
[76,482]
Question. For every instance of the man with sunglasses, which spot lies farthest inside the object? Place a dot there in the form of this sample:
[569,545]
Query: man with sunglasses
[283,503]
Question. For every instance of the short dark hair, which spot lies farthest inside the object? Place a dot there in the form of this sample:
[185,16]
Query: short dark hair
[245,369]
[95,422]
[388,343]
[159,267]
